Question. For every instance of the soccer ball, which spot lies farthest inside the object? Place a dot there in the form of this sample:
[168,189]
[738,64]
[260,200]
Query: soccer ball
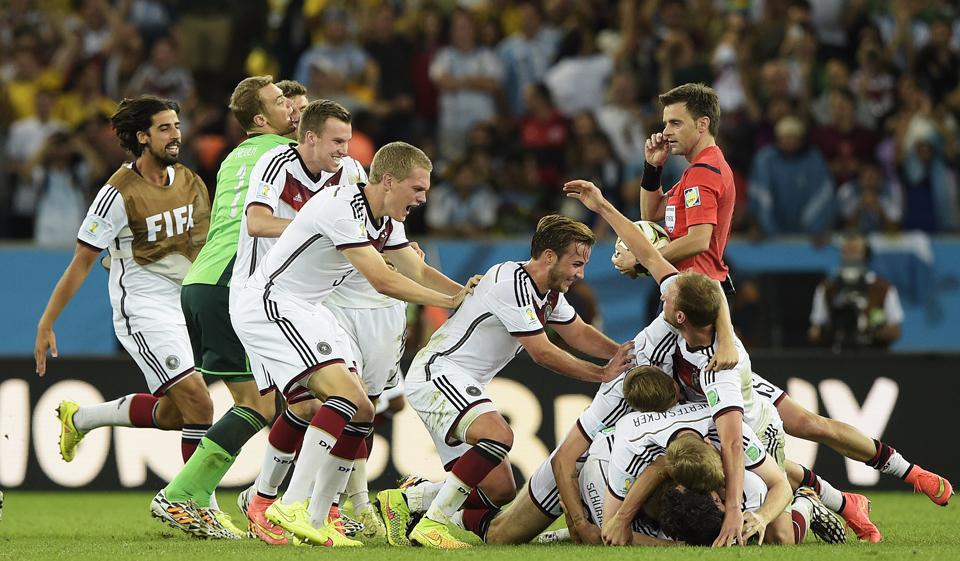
[655,233]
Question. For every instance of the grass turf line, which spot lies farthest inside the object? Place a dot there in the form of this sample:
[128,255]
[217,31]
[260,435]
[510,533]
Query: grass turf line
[105,526]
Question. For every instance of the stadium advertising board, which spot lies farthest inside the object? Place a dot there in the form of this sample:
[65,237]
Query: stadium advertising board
[900,399]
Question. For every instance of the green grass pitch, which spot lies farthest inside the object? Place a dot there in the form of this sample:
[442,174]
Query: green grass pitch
[70,526]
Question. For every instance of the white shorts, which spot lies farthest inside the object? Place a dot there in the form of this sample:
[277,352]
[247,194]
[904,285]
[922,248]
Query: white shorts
[593,491]
[163,354]
[542,488]
[377,337]
[448,402]
[775,441]
[288,341]
[767,390]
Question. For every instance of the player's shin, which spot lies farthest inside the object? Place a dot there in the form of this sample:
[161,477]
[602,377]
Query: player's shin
[318,441]
[467,473]
[334,470]
[286,437]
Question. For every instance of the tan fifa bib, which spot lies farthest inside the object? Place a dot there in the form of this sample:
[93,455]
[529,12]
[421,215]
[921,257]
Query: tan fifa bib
[169,223]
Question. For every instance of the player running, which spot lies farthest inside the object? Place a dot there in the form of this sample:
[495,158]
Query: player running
[152,217]
[298,343]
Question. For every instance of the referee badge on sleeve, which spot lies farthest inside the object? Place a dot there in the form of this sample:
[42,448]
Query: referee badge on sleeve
[691,197]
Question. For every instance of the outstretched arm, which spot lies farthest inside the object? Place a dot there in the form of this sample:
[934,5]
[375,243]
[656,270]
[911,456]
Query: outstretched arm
[83,259]
[410,263]
[778,497]
[585,338]
[730,429]
[548,355]
[618,514]
[648,256]
[372,266]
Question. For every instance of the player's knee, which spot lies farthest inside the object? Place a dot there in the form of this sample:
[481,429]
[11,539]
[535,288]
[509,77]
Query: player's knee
[812,427]
[491,426]
[266,407]
[193,400]
[365,410]
[780,531]
[500,492]
[502,434]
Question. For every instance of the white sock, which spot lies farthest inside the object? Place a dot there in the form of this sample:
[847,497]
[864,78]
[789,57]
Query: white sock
[449,500]
[213,501]
[332,475]
[317,445]
[804,508]
[276,464]
[114,413]
[420,497]
[831,498]
[896,465]
[357,486]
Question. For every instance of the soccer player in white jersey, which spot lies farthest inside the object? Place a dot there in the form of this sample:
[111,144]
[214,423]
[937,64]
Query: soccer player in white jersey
[152,217]
[538,504]
[691,304]
[283,180]
[298,344]
[729,392]
[644,435]
[445,383]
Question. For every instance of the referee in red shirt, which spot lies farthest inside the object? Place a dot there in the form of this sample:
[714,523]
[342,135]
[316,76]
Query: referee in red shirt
[698,210]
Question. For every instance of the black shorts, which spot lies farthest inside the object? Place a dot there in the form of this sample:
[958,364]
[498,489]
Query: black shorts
[217,350]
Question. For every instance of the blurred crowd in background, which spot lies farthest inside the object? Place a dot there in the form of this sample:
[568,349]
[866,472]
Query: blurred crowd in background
[835,113]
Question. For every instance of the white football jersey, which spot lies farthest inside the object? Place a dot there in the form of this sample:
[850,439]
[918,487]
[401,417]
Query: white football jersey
[481,337]
[281,182]
[306,263]
[641,438]
[141,296]
[654,346]
[726,390]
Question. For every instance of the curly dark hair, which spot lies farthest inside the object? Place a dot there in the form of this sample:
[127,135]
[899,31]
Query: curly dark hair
[692,518]
[136,115]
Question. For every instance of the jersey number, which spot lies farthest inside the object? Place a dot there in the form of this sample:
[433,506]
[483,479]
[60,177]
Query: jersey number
[242,174]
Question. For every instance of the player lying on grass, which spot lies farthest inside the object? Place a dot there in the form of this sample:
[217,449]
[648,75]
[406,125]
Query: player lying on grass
[693,513]
[642,438]
[538,503]
[691,303]
[509,311]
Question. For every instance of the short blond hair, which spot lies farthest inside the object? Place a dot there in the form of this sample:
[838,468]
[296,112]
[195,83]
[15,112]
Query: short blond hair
[246,103]
[647,388]
[398,159]
[699,297]
[693,463]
